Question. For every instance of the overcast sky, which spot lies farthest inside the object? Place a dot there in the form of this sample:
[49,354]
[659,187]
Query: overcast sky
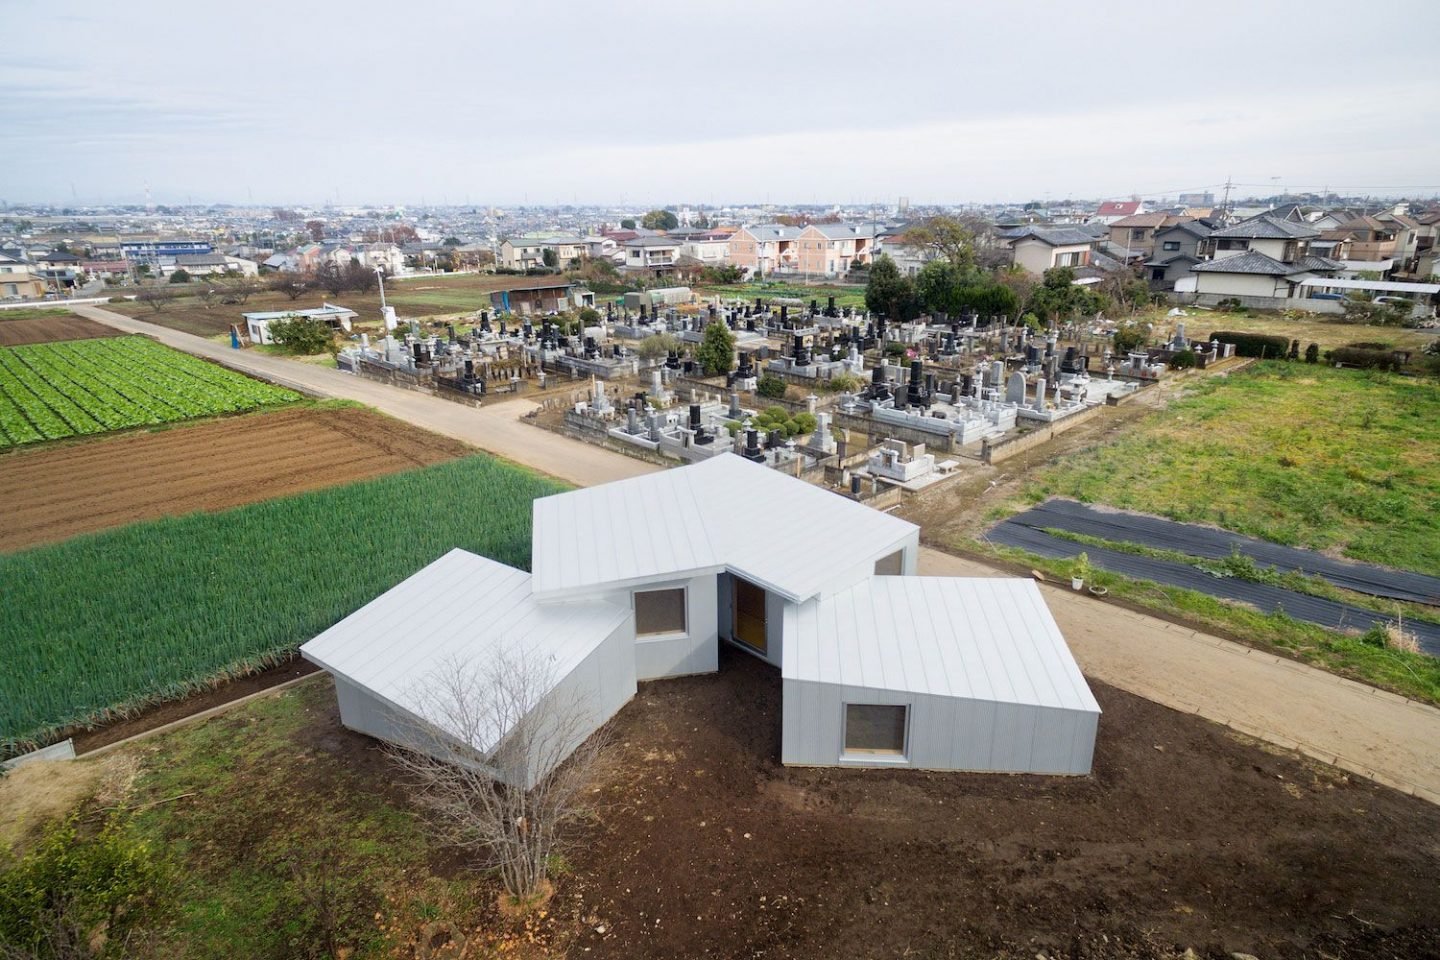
[780,101]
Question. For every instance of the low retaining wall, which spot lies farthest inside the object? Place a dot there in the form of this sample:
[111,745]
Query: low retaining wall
[1003,450]
[875,433]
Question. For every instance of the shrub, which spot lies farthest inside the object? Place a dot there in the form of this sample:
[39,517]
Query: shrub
[589,316]
[894,349]
[657,345]
[1312,353]
[1130,336]
[1364,359]
[1184,360]
[305,335]
[1254,344]
[1230,305]
[771,387]
[843,383]
[180,275]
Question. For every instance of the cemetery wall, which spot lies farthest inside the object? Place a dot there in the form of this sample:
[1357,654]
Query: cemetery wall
[1007,448]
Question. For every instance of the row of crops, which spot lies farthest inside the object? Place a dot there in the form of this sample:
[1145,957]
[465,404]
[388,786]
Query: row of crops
[79,387]
[106,623]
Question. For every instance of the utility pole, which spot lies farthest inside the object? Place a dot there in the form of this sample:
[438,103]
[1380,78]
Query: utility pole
[1225,204]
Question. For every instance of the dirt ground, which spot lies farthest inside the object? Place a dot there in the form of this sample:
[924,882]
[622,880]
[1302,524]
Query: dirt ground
[1187,835]
[57,491]
[14,333]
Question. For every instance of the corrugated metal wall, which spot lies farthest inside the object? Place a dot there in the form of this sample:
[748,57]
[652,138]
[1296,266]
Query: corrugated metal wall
[945,733]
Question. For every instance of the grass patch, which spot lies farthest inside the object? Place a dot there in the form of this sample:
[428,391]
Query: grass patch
[1337,460]
[109,622]
[37,313]
[845,296]
[1413,675]
[1317,328]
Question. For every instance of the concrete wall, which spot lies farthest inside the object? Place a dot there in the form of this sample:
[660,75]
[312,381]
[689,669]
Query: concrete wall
[944,733]
[1004,449]
[1240,285]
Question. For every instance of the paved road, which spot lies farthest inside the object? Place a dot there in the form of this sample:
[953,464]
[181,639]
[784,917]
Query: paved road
[1355,727]
[494,427]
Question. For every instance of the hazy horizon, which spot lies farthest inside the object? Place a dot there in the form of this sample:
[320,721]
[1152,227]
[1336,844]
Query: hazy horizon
[802,102]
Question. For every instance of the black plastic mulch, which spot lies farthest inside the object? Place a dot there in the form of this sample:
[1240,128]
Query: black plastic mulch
[1264,597]
[1198,541]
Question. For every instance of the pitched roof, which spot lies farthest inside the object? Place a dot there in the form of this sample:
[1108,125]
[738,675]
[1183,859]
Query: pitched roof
[1268,227]
[1146,220]
[1251,261]
[844,231]
[772,231]
[972,638]
[1193,227]
[1118,208]
[1053,236]
[685,521]
[462,607]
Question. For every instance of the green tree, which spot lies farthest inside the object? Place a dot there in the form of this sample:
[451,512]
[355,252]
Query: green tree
[451,242]
[716,352]
[302,335]
[770,387]
[938,286]
[627,224]
[1130,336]
[1059,298]
[550,257]
[950,238]
[589,316]
[890,294]
[180,275]
[660,220]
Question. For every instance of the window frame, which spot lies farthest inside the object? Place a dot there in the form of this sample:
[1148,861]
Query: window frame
[848,753]
[684,591]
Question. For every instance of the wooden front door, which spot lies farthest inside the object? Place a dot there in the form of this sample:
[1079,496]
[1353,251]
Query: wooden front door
[748,622]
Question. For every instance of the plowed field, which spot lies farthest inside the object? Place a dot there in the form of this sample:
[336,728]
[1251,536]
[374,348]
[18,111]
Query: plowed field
[53,493]
[14,333]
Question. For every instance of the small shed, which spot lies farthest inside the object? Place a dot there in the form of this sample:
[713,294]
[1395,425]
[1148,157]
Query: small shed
[257,325]
[465,612]
[940,673]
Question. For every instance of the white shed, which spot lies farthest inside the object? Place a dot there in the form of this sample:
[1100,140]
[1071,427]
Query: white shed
[937,673]
[466,610]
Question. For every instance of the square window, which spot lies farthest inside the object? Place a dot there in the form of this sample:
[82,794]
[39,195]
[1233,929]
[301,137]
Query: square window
[659,612]
[892,565]
[875,730]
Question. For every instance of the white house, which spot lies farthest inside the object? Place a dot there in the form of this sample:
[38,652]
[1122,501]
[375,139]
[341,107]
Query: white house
[257,325]
[644,578]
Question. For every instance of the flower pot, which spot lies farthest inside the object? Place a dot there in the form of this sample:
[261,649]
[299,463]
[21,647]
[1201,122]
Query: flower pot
[1077,583]
[1099,591]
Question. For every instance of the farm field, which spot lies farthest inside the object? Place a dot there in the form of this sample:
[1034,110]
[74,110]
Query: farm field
[412,297]
[63,326]
[36,313]
[845,296]
[1264,854]
[57,491]
[1343,461]
[1321,329]
[109,622]
[53,390]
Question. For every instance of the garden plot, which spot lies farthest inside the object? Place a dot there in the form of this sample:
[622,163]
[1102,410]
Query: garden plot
[54,390]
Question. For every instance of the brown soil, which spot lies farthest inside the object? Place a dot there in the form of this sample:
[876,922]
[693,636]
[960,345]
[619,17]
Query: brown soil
[54,492]
[169,712]
[1186,835]
[14,333]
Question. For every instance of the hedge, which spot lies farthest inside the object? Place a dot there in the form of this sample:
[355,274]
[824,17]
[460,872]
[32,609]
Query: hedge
[1254,344]
[1364,359]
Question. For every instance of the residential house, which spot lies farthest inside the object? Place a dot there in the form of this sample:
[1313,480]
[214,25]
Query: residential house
[1261,261]
[522,253]
[654,255]
[766,248]
[831,248]
[1426,261]
[707,247]
[1038,249]
[645,578]
[908,256]
[1136,234]
[1176,250]
[1373,244]
[210,264]
[1112,210]
[18,279]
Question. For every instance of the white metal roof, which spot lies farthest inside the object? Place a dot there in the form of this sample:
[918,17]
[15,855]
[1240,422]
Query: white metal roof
[462,608]
[786,535]
[973,638]
[1391,286]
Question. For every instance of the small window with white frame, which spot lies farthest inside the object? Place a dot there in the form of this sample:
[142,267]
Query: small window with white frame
[660,612]
[876,730]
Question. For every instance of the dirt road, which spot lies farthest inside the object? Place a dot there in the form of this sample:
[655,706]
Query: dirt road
[1355,727]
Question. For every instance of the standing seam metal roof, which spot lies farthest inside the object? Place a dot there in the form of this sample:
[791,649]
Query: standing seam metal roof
[971,638]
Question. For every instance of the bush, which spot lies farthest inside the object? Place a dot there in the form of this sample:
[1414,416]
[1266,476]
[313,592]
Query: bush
[1231,305]
[894,349]
[1130,336]
[657,345]
[843,383]
[589,316]
[1254,344]
[303,335]
[771,387]
[1364,359]
[71,892]
[1312,353]
[180,275]
[1184,360]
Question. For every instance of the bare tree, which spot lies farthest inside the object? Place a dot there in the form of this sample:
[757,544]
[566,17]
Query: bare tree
[501,760]
[330,276]
[291,284]
[156,297]
[359,277]
[207,293]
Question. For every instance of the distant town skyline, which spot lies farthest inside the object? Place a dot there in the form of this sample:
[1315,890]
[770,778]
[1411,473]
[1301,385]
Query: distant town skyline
[561,103]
